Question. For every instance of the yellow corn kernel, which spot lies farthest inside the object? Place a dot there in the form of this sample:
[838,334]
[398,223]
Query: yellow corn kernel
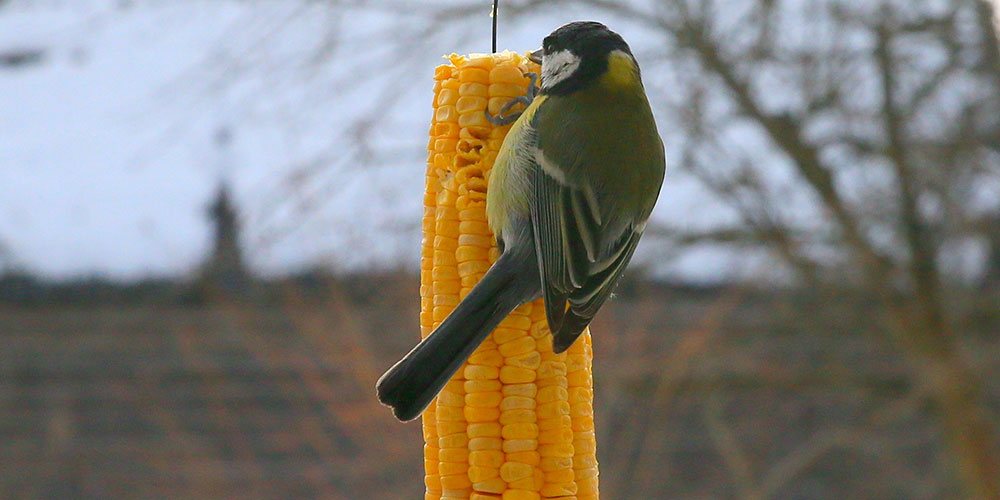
[558,490]
[560,476]
[525,457]
[485,429]
[512,471]
[530,360]
[485,443]
[455,441]
[495,485]
[550,463]
[553,423]
[585,473]
[483,399]
[522,345]
[579,377]
[561,434]
[526,390]
[516,422]
[552,393]
[585,442]
[453,455]
[520,495]
[517,321]
[503,335]
[556,450]
[516,445]
[552,368]
[433,481]
[584,461]
[453,468]
[449,413]
[481,372]
[575,362]
[518,416]
[473,414]
[447,428]
[553,409]
[482,385]
[521,431]
[517,402]
[449,398]
[587,486]
[548,381]
[517,375]
[582,423]
[582,409]
[455,481]
[479,474]
[490,357]
[483,496]
[534,482]
[488,458]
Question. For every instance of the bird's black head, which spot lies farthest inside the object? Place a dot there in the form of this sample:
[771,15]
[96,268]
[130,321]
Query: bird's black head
[575,55]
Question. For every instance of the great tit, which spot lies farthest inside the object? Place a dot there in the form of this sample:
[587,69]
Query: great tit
[568,198]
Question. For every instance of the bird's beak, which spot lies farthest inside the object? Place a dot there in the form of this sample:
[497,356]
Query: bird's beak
[536,56]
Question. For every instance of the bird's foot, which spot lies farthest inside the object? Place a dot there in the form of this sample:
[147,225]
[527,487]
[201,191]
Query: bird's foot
[501,118]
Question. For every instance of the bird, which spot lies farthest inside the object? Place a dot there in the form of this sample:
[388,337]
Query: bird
[568,198]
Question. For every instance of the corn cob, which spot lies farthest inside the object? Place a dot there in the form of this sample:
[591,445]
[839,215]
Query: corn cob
[516,422]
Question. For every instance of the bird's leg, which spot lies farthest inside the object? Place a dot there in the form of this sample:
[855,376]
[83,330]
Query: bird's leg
[500,119]
[525,99]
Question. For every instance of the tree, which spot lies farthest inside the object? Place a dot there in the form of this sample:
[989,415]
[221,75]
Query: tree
[855,144]
[858,142]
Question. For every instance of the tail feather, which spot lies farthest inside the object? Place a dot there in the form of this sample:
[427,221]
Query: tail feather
[410,385]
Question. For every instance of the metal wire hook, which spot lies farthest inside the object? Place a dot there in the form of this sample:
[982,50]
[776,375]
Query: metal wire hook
[494,16]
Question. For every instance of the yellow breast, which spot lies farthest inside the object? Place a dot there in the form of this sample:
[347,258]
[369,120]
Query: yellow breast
[509,188]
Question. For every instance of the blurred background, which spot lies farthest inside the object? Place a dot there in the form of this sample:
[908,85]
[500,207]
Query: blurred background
[209,239]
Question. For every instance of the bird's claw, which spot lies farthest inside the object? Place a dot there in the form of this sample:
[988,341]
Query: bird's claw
[501,119]
[525,99]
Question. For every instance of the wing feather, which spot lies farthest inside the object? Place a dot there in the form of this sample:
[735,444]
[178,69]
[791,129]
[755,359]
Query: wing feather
[590,201]
[585,301]
[574,267]
[545,221]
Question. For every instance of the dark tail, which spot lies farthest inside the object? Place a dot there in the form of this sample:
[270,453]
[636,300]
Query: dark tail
[410,385]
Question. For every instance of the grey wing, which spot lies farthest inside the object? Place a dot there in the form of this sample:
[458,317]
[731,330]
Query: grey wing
[583,304]
[575,263]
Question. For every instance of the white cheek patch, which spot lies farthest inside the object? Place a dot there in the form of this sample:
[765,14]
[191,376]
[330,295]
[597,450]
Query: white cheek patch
[557,67]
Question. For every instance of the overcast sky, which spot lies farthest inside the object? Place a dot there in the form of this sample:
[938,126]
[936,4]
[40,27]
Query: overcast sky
[107,150]
[107,157]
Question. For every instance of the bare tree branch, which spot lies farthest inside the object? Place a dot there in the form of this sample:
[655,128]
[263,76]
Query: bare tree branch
[784,131]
